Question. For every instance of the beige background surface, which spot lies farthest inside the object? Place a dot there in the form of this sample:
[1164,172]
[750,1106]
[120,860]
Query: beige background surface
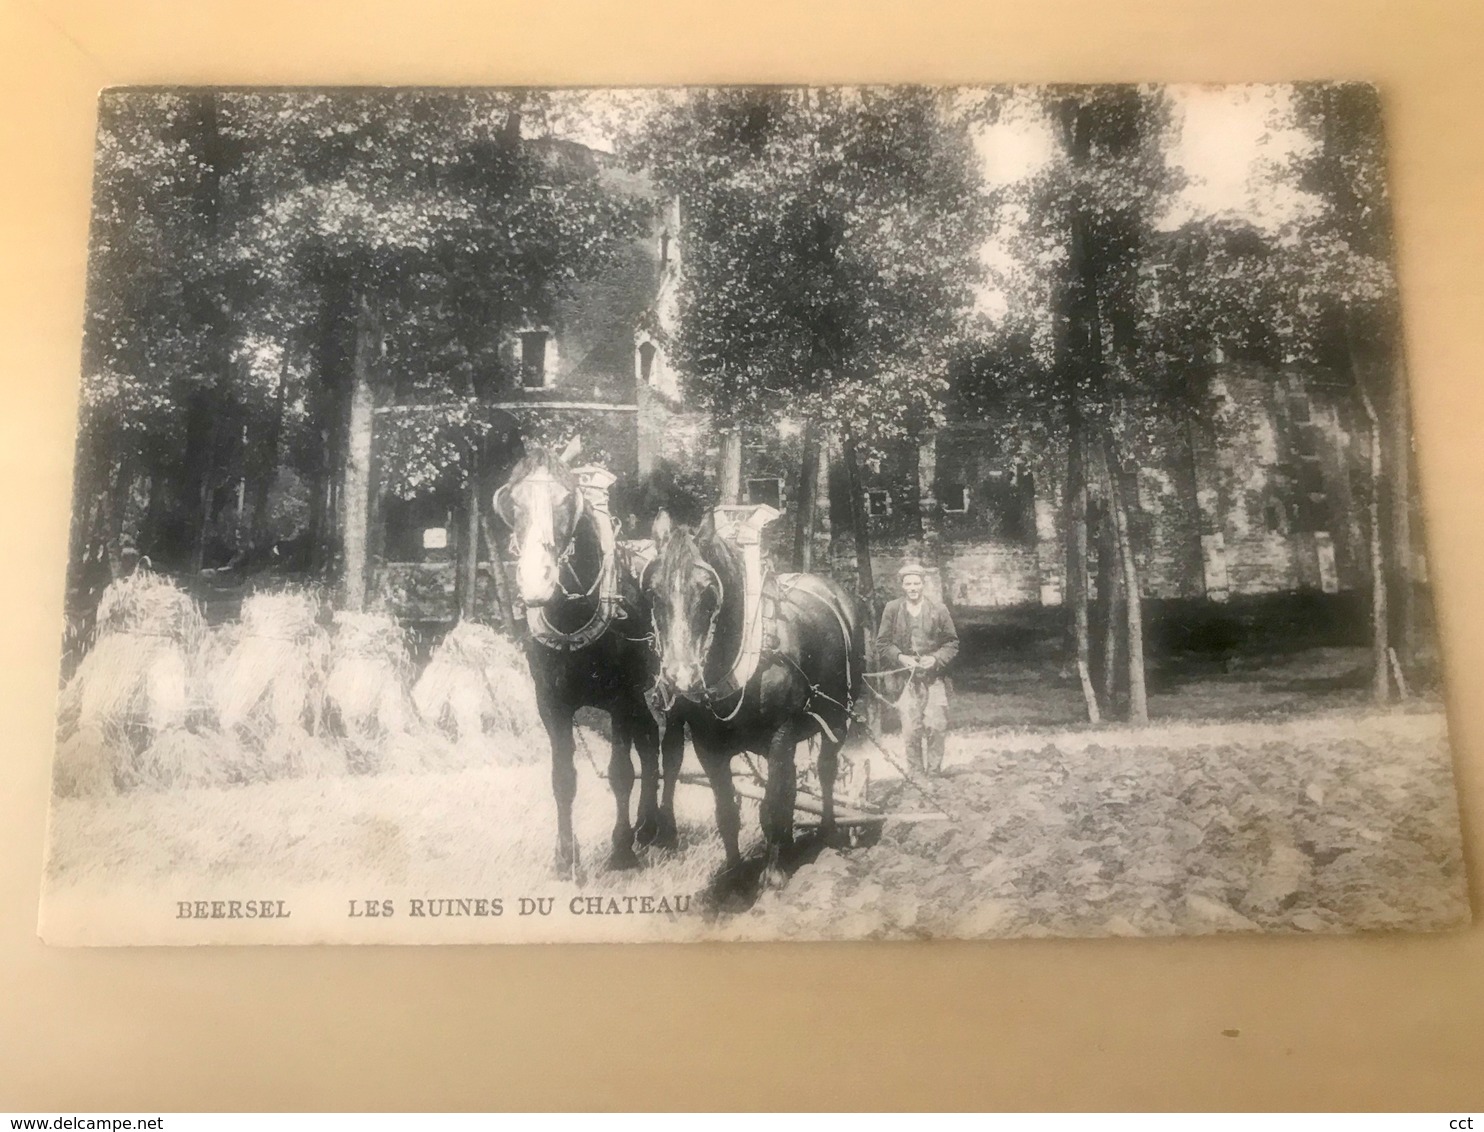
[1324,1023]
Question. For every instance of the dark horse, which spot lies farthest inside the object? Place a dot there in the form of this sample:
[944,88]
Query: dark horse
[589,647]
[759,679]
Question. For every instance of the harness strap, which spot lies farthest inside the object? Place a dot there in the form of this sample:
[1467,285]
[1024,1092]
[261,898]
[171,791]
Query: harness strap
[605,585]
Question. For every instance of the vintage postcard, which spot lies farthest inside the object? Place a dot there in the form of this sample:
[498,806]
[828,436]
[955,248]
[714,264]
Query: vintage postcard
[512,515]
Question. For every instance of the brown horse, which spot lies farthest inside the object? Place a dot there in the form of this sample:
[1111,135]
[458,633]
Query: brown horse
[759,679]
[589,647]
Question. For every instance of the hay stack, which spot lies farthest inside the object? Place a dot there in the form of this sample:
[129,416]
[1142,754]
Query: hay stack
[134,678]
[181,758]
[297,754]
[131,688]
[369,672]
[85,765]
[272,677]
[478,686]
[146,602]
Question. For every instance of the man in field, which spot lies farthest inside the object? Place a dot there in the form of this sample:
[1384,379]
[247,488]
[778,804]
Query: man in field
[918,635]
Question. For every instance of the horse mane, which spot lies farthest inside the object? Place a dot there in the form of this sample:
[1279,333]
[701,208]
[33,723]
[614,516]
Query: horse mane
[539,459]
[677,552]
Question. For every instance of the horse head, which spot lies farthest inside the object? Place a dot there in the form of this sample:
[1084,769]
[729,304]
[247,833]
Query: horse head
[541,504]
[687,594]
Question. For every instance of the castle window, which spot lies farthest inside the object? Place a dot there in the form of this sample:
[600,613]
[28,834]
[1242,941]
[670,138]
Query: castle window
[766,489]
[954,498]
[647,351]
[533,359]
[878,503]
[1007,506]
[1274,516]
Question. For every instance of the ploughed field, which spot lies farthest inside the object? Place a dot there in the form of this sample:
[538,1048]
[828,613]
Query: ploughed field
[1334,822]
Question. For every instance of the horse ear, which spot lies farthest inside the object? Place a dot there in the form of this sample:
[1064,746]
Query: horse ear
[504,506]
[662,528]
[572,451]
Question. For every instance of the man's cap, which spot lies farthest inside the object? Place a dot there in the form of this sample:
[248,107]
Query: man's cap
[910,569]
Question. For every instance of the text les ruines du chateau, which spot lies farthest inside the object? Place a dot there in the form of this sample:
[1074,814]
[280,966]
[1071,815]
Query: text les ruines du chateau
[451,907]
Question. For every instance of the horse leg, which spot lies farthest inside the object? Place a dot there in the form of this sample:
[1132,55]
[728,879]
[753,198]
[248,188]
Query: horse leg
[558,723]
[718,770]
[621,779]
[647,740]
[672,754]
[778,803]
[829,765]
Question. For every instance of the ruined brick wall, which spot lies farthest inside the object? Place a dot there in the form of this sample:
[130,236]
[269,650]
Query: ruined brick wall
[1164,519]
[1280,498]
[1262,496]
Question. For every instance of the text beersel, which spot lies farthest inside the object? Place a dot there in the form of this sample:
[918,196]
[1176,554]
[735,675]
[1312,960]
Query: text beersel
[232,910]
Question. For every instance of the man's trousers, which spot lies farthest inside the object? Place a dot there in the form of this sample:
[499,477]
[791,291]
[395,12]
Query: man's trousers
[923,707]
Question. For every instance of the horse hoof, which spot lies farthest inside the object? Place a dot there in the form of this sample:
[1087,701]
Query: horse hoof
[774,875]
[647,833]
[733,888]
[568,864]
[623,858]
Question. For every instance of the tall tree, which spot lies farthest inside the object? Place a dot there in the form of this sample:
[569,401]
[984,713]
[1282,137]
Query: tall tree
[255,255]
[831,241]
[1346,314]
[1066,357]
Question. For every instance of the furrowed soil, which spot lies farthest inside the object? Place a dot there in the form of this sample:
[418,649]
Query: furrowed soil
[1340,822]
[1329,824]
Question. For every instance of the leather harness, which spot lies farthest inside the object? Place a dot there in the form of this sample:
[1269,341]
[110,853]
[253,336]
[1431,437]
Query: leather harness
[605,588]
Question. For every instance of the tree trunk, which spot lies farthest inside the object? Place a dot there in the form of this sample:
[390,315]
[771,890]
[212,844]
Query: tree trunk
[1380,630]
[497,573]
[468,575]
[1401,513]
[1077,568]
[355,498]
[493,465]
[1110,588]
[117,502]
[154,515]
[268,468]
[807,494]
[730,472]
[1138,700]
[319,507]
[1380,679]
[860,527]
[206,494]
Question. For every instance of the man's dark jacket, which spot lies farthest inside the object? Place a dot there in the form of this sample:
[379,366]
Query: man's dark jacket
[895,638]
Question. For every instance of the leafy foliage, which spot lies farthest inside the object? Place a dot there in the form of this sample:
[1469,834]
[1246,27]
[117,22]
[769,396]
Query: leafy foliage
[234,232]
[830,239]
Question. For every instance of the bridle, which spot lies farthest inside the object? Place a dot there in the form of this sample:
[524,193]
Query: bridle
[721,594]
[608,601]
[708,695]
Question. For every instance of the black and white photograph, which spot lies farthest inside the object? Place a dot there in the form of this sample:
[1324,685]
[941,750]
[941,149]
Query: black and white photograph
[518,515]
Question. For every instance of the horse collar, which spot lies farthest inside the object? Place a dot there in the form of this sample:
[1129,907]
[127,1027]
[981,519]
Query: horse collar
[749,650]
[605,586]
